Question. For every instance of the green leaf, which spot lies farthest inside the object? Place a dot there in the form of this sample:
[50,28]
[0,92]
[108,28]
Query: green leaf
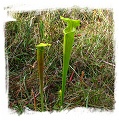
[69,32]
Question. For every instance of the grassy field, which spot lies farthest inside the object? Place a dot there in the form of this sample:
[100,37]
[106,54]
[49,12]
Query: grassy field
[90,79]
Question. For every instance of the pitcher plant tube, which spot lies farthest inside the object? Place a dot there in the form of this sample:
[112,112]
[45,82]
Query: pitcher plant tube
[40,59]
[69,32]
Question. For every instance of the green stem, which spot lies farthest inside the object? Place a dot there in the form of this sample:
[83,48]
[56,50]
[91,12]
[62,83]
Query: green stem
[40,59]
[66,58]
[69,32]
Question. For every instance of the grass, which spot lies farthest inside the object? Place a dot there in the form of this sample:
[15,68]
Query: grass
[90,79]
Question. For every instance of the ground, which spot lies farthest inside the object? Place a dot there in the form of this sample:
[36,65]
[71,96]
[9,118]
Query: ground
[90,79]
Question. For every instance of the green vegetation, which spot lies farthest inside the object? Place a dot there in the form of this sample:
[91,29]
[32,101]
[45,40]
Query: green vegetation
[69,32]
[90,77]
[40,61]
